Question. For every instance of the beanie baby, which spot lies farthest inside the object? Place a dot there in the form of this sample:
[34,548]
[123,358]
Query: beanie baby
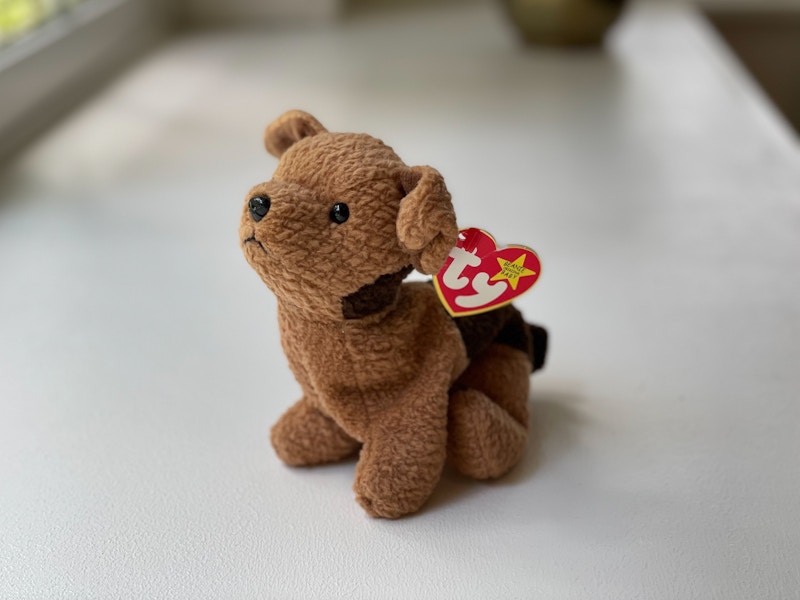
[386,372]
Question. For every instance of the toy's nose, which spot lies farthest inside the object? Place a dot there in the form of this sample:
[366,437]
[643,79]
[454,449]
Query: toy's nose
[259,207]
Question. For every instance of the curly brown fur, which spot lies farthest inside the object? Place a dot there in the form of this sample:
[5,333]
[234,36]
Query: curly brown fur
[382,366]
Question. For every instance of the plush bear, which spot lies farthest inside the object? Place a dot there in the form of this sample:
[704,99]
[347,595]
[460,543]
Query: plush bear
[385,371]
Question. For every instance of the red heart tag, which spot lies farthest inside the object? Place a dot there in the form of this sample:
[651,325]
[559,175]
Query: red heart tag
[478,277]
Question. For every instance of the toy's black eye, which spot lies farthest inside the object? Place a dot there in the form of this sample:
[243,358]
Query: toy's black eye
[340,213]
[259,207]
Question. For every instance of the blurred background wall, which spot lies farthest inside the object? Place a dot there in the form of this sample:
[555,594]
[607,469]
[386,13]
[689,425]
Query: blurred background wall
[58,64]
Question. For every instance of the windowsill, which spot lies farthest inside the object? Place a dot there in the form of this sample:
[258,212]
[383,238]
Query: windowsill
[47,73]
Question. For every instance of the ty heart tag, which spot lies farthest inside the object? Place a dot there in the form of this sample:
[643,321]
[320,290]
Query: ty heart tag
[479,277]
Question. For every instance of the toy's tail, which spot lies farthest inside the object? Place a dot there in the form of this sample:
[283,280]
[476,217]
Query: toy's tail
[538,346]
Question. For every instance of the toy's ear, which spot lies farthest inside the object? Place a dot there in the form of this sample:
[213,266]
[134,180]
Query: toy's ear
[426,222]
[289,128]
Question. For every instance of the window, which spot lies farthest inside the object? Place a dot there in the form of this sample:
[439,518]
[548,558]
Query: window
[20,17]
[53,53]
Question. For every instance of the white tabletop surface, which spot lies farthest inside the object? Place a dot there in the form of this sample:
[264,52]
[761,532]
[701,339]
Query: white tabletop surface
[140,367]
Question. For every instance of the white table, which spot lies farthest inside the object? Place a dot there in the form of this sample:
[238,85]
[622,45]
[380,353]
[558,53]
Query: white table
[140,367]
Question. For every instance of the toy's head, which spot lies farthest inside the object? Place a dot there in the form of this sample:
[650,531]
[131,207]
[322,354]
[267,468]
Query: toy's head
[342,221]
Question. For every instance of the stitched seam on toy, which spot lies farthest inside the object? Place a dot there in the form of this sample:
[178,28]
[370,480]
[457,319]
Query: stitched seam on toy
[480,441]
[359,384]
[252,238]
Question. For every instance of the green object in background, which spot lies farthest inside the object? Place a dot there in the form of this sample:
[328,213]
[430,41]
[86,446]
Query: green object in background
[564,22]
[18,17]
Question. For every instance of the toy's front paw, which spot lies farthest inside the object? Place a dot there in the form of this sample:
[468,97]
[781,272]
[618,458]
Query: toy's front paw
[303,436]
[394,478]
[378,500]
[376,508]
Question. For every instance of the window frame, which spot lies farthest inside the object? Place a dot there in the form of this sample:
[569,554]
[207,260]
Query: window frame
[54,67]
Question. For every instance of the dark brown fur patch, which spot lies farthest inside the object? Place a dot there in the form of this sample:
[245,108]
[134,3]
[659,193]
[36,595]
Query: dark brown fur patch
[505,326]
[539,342]
[479,331]
[374,297]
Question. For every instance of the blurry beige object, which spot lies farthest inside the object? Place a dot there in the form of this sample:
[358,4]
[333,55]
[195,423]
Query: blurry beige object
[564,22]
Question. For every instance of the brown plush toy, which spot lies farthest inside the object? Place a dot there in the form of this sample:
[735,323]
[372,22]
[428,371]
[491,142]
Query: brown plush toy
[383,367]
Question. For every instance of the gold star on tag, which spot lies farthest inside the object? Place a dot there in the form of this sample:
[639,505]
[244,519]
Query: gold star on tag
[512,271]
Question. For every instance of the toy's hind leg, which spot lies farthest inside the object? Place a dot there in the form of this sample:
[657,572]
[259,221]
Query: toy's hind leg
[304,436]
[488,413]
